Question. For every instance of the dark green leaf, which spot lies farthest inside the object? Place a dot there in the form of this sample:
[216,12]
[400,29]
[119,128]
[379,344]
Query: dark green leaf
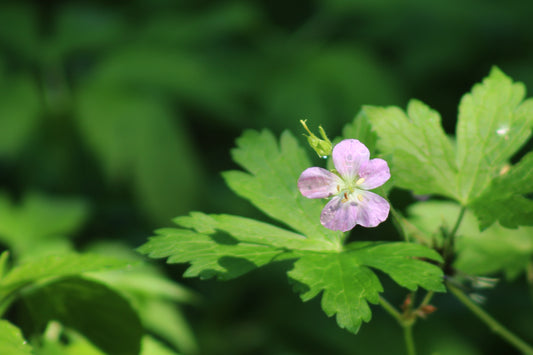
[96,311]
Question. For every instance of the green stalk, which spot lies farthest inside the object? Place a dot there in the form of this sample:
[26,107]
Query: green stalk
[409,340]
[493,324]
[406,324]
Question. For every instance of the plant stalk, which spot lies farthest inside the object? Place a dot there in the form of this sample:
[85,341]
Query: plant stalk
[493,324]
[406,324]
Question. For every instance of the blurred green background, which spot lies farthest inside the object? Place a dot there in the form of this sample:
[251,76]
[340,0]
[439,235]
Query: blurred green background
[128,109]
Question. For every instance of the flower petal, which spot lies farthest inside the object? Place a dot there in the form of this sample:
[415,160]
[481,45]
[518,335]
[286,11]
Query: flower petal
[348,156]
[318,183]
[372,209]
[338,215]
[375,172]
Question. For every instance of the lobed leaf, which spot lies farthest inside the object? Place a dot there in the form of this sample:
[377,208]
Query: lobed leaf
[348,283]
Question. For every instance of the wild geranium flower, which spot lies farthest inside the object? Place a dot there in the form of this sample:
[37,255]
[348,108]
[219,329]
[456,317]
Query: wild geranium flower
[355,173]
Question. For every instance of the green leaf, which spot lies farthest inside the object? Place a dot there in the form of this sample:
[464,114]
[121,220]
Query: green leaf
[344,275]
[506,198]
[58,266]
[11,340]
[348,284]
[422,154]
[271,182]
[494,122]
[93,309]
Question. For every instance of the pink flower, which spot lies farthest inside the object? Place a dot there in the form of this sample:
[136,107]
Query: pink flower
[351,204]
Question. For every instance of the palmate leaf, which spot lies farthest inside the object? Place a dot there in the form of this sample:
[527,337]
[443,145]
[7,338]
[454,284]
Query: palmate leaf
[226,246]
[348,284]
[494,122]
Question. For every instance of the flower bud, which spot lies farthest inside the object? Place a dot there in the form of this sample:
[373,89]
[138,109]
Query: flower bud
[322,147]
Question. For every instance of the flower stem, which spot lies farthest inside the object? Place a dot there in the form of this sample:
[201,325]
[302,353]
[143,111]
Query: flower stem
[493,324]
[406,324]
[409,340]
[457,223]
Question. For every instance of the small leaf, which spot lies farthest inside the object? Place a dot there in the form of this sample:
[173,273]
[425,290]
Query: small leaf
[505,200]
[271,182]
[494,122]
[96,311]
[422,155]
[11,340]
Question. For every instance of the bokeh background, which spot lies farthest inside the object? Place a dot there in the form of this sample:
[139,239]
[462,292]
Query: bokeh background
[125,112]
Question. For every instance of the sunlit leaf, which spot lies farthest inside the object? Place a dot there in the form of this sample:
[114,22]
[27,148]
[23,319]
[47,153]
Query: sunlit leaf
[11,340]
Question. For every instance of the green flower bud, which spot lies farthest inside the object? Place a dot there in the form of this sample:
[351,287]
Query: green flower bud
[322,146]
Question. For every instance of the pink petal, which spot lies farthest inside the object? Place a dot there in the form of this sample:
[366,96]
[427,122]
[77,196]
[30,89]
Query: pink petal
[348,156]
[318,183]
[338,215]
[375,172]
[372,208]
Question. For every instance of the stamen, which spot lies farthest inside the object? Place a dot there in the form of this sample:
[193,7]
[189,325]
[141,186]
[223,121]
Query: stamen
[360,198]
[360,181]
[345,197]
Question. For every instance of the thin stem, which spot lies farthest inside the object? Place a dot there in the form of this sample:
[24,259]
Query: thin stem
[391,310]
[409,340]
[406,324]
[493,324]
[426,299]
[457,223]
